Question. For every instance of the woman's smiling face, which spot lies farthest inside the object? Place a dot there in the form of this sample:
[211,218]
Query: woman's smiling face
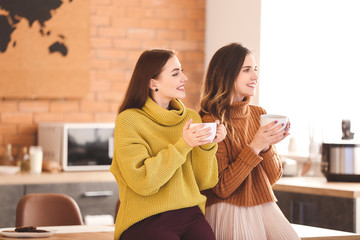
[246,81]
[170,83]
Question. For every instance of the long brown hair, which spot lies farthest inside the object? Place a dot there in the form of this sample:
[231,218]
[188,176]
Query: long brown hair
[224,67]
[149,65]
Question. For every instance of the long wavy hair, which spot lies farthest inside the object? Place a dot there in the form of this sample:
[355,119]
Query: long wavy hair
[217,95]
[149,66]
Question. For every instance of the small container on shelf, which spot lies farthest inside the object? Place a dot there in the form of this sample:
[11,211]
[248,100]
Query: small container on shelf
[8,158]
[36,159]
[23,160]
[8,163]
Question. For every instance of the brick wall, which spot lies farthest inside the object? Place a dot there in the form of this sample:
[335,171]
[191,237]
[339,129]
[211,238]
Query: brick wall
[120,32]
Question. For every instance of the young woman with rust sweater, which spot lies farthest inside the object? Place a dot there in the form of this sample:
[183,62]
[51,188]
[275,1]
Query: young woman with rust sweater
[242,204]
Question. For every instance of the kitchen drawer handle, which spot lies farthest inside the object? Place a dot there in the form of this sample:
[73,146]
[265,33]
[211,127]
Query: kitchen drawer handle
[98,193]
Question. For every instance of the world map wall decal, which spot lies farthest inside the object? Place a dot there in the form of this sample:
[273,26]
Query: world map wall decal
[18,9]
[44,48]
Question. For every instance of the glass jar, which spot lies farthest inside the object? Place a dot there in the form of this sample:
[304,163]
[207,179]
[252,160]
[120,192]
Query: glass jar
[8,158]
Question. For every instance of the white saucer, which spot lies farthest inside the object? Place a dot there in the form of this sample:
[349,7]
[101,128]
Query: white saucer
[9,170]
[14,234]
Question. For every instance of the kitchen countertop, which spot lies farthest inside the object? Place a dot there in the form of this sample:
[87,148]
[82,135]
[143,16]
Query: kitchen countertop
[307,185]
[61,177]
[318,186]
[316,233]
[107,232]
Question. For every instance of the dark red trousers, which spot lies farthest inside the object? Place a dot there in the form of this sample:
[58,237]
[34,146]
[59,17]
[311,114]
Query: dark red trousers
[181,224]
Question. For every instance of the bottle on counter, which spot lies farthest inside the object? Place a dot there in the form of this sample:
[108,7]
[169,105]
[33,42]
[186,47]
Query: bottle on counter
[8,158]
[36,159]
[23,160]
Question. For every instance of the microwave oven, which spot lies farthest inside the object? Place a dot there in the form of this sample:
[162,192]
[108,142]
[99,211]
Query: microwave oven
[78,146]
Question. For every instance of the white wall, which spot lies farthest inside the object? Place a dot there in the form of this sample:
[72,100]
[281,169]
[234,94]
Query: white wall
[232,21]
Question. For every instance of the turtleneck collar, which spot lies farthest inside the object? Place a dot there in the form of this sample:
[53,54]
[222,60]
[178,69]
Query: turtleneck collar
[164,116]
[240,109]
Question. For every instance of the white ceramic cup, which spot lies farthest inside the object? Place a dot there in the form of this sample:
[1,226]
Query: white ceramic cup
[268,118]
[212,125]
[36,159]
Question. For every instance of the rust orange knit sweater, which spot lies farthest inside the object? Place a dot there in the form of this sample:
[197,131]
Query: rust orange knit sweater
[245,178]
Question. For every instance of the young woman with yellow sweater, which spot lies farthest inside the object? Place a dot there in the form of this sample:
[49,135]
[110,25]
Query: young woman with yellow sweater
[242,204]
[160,163]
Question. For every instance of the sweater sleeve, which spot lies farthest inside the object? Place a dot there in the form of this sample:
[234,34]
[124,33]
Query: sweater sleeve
[204,161]
[144,173]
[272,165]
[233,172]
[205,165]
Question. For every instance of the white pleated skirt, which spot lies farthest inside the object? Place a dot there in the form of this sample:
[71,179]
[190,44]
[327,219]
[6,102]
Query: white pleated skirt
[261,222]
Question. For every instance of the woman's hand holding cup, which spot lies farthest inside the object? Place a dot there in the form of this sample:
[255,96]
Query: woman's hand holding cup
[197,134]
[273,129]
[220,132]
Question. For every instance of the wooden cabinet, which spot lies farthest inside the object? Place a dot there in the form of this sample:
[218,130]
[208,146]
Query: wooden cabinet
[319,211]
[9,196]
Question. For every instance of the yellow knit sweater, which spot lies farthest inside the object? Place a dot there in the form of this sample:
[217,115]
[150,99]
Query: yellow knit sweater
[156,170]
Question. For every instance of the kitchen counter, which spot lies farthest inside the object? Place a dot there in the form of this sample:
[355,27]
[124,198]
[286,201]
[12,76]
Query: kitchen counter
[61,177]
[318,186]
[315,233]
[316,202]
[107,232]
[307,185]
